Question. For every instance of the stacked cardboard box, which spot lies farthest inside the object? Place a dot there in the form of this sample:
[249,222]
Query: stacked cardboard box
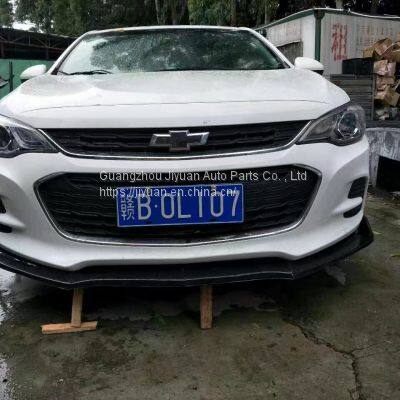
[386,55]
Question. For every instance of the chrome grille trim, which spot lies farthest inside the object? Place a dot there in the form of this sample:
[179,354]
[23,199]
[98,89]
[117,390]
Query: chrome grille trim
[180,157]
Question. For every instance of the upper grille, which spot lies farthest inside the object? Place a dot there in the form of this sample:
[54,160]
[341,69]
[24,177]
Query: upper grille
[73,202]
[131,142]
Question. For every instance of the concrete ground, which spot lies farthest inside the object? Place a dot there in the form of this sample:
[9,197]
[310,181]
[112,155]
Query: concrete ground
[335,335]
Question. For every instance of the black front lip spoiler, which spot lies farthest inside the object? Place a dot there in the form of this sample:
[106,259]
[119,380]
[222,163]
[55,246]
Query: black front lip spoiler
[191,274]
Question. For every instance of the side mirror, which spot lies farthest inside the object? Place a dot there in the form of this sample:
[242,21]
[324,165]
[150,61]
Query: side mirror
[32,72]
[309,63]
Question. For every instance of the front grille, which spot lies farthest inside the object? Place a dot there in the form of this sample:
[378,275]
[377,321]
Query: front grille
[135,142]
[73,203]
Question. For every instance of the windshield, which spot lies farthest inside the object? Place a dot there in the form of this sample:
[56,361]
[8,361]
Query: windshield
[170,50]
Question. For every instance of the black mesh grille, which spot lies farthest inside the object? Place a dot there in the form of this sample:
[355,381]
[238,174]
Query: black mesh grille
[358,188]
[131,142]
[74,204]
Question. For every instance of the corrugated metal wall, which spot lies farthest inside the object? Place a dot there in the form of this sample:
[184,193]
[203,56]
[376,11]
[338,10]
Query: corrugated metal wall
[292,50]
[360,89]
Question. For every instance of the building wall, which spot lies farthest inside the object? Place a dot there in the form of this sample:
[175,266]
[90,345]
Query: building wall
[292,50]
[346,36]
[298,33]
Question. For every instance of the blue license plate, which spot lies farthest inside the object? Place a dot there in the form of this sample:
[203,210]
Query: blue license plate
[179,205]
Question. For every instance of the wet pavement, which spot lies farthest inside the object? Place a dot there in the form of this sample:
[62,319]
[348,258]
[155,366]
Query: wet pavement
[335,335]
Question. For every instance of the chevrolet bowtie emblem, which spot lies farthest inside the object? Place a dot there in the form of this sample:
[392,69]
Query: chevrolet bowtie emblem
[178,140]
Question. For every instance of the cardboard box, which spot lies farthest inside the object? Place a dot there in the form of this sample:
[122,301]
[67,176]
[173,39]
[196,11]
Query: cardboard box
[391,69]
[382,113]
[380,67]
[369,53]
[383,81]
[382,45]
[377,50]
[388,96]
[394,55]
[384,68]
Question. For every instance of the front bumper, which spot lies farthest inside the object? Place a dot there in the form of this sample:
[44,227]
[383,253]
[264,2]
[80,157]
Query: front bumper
[192,274]
[35,238]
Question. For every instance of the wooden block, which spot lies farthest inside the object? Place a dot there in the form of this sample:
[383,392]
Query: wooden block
[76,315]
[68,328]
[76,324]
[206,307]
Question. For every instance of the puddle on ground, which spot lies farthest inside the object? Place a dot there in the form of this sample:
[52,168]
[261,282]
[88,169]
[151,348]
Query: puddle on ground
[19,287]
[5,391]
[6,278]
[16,289]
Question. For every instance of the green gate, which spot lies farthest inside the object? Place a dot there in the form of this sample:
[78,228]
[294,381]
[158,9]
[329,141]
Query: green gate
[12,68]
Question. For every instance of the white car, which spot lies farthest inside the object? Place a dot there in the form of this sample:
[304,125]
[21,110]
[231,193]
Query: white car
[179,156]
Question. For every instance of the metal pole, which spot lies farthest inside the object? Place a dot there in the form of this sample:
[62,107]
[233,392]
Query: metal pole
[10,76]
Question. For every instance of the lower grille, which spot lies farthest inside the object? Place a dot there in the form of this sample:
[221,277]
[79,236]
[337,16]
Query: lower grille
[73,203]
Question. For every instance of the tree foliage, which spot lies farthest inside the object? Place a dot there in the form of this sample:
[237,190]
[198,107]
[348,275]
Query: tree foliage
[232,12]
[6,13]
[391,7]
[73,17]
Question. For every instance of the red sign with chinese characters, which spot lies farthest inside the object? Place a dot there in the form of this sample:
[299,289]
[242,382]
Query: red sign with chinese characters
[339,41]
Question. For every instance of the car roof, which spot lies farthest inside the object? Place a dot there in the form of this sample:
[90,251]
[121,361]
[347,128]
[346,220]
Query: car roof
[168,27]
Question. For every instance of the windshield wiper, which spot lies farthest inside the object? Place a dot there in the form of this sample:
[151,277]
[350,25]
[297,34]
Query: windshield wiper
[263,68]
[92,72]
[192,69]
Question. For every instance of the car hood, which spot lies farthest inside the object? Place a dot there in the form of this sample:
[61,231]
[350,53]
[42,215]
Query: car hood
[57,96]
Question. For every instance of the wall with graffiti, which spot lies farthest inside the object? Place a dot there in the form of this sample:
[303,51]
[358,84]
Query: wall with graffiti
[343,35]
[346,36]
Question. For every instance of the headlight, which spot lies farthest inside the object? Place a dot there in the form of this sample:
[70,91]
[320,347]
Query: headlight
[17,138]
[342,126]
